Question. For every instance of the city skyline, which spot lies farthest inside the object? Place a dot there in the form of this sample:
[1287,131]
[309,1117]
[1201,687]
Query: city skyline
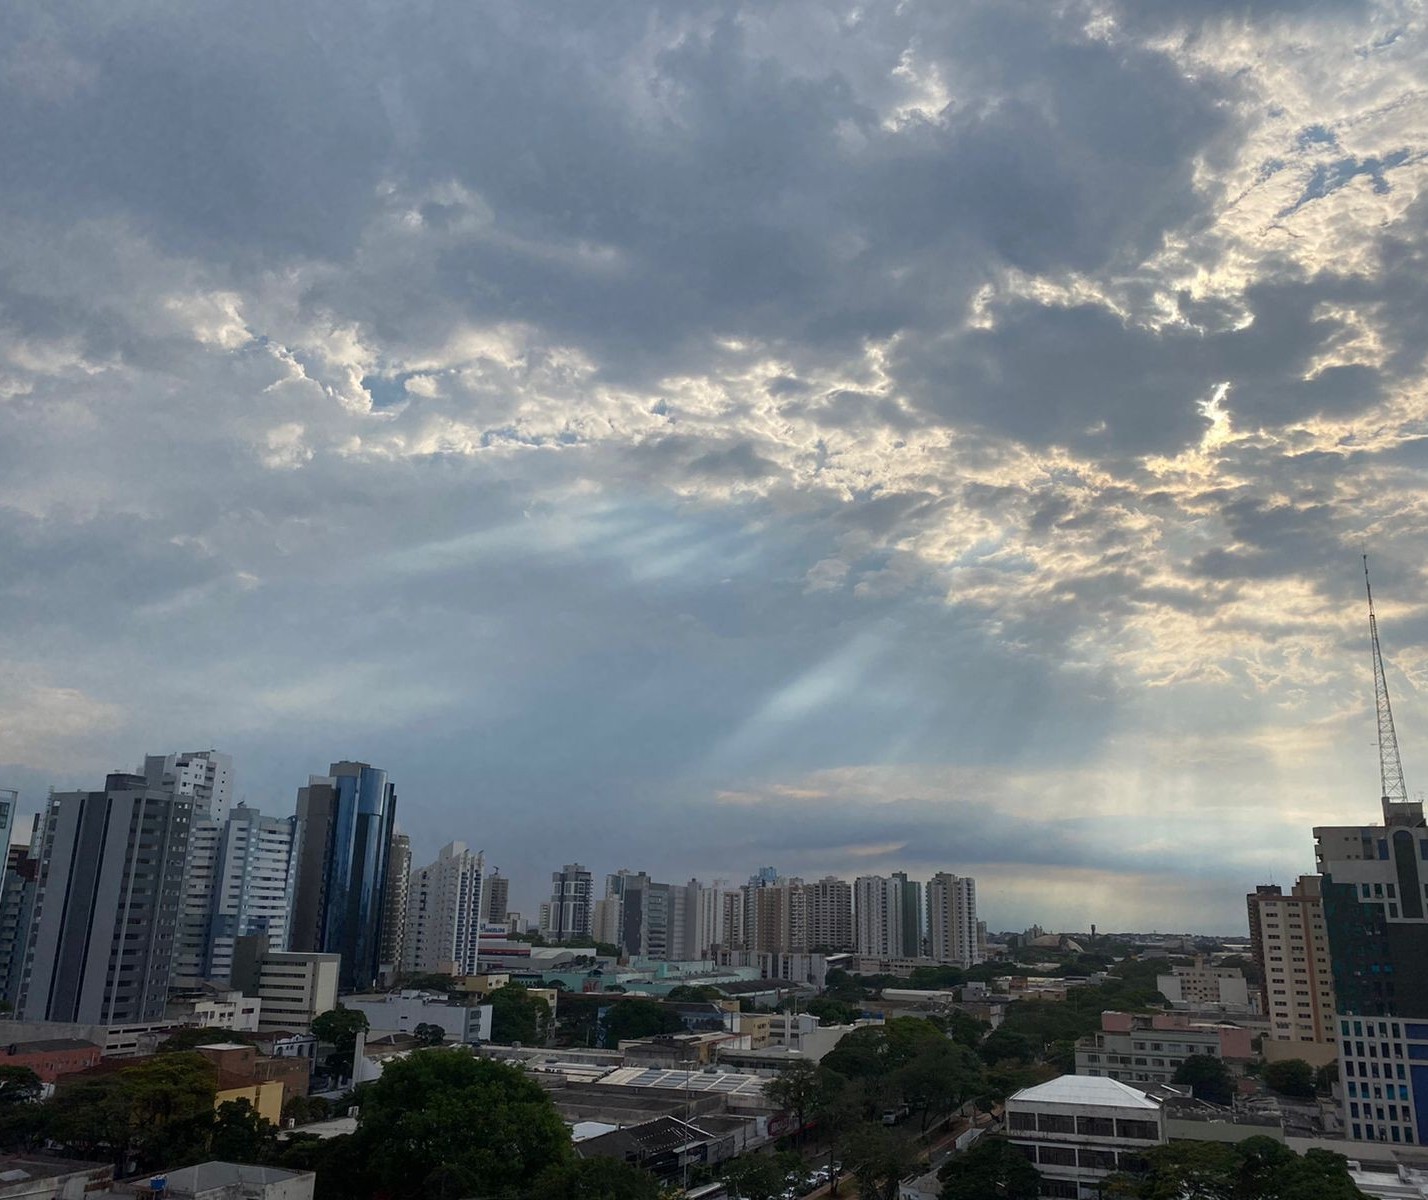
[853,437]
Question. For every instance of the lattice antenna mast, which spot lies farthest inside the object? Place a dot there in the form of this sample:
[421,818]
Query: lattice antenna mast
[1390,765]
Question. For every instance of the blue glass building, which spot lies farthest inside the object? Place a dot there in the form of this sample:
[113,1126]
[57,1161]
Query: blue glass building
[345,822]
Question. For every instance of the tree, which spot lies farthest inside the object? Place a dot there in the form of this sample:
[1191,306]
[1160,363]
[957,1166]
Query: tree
[1209,1078]
[1006,1043]
[965,1028]
[1258,1168]
[301,1110]
[241,1135]
[444,1124]
[428,1034]
[1326,1076]
[1292,1076]
[879,1159]
[339,1028]
[22,1119]
[19,1085]
[796,1089]
[832,1012]
[992,1168]
[596,1179]
[517,1016]
[639,1017]
[935,1084]
[689,993]
[757,1176]
[158,1112]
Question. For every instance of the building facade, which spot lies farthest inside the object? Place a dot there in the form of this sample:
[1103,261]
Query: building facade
[879,926]
[1146,1051]
[17,911]
[1078,1131]
[443,918]
[101,944]
[829,902]
[952,920]
[571,910]
[1290,945]
[1203,985]
[1374,884]
[292,987]
[345,822]
[394,906]
[495,898]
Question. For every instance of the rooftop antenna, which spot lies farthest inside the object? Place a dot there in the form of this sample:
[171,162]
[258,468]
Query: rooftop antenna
[1390,765]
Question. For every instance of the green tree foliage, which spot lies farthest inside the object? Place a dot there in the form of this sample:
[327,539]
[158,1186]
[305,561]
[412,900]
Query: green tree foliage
[22,1117]
[339,1028]
[1003,1043]
[595,1179]
[241,1135]
[443,1124]
[1258,1168]
[938,1082]
[936,977]
[879,1157]
[156,1113]
[759,1176]
[428,1034]
[639,1017]
[965,1029]
[832,1012]
[993,1167]
[1293,1077]
[694,993]
[302,1110]
[1209,1078]
[517,1016]
[427,981]
[798,1089]
[1326,1076]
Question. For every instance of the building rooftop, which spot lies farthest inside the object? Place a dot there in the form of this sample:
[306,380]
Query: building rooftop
[1087,1089]
[43,1044]
[729,1083]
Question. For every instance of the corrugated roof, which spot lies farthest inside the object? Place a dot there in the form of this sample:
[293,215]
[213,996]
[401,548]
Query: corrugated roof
[1086,1089]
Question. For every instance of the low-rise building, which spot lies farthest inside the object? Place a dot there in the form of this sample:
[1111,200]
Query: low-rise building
[217,1008]
[223,1181]
[38,1177]
[50,1058]
[1078,1130]
[239,1078]
[402,1012]
[1149,1050]
[1205,986]
[293,987]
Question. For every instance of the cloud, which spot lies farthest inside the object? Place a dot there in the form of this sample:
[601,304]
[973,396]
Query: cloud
[950,430]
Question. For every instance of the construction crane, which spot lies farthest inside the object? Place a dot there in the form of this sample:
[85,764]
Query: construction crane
[1390,766]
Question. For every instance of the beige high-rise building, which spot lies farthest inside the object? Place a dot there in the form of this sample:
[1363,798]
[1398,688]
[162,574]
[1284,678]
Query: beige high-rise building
[829,904]
[1290,945]
[775,917]
[952,919]
[443,920]
[879,921]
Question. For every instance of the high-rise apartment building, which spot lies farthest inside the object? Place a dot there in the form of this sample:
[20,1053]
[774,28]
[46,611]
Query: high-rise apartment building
[572,904]
[1374,883]
[345,821]
[394,907]
[238,881]
[829,905]
[495,898]
[775,917]
[443,922]
[914,915]
[17,900]
[879,918]
[1290,945]
[952,920]
[650,919]
[710,919]
[202,776]
[100,947]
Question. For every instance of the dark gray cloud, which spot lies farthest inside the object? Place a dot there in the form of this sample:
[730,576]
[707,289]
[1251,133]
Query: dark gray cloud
[728,432]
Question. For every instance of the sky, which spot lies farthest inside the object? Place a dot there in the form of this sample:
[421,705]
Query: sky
[691,436]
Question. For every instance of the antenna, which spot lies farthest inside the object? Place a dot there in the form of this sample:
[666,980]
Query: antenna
[1390,765]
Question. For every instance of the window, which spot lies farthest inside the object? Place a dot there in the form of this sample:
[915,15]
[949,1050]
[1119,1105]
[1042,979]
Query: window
[1025,1122]
[1055,1123]
[1056,1156]
[1095,1127]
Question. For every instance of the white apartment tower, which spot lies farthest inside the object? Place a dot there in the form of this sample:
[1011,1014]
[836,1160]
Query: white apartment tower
[443,922]
[878,920]
[952,919]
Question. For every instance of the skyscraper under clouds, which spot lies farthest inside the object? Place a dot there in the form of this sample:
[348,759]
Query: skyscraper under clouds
[345,821]
[100,948]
